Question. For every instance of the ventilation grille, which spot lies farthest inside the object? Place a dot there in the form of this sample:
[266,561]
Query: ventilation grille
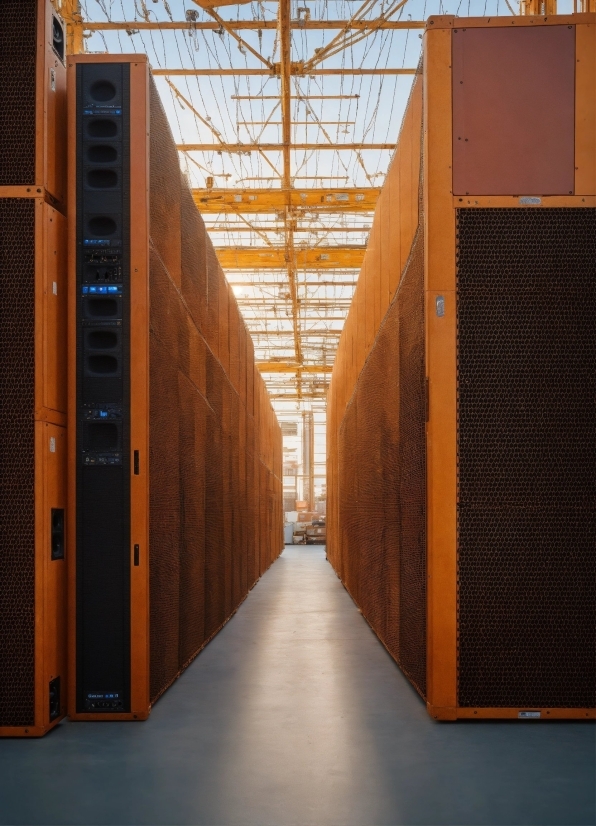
[17,446]
[526,350]
[382,459]
[18,52]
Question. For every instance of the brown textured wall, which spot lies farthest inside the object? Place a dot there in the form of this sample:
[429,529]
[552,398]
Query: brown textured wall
[376,452]
[389,246]
[216,521]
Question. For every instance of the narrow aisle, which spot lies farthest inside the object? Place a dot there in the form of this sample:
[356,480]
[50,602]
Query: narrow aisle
[295,715]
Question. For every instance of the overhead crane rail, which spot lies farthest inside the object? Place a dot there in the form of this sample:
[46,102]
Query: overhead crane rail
[261,200]
[296,71]
[278,147]
[234,258]
[247,25]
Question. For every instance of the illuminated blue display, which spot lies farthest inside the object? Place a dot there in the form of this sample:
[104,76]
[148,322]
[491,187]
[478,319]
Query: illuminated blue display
[102,289]
[103,696]
[102,110]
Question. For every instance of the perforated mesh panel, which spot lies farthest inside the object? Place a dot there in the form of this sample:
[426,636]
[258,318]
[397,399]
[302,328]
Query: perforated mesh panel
[164,488]
[206,532]
[382,468]
[412,469]
[526,456]
[17,447]
[18,48]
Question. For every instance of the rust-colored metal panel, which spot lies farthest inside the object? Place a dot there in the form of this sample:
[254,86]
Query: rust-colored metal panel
[585,109]
[513,110]
[140,386]
[165,192]
[51,331]
[192,435]
[193,258]
[225,469]
[439,275]
[233,337]
[242,356]
[51,602]
[223,318]
[211,329]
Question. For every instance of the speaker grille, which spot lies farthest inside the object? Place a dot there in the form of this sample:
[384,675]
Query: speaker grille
[17,456]
[18,51]
[103,390]
[526,350]
[382,458]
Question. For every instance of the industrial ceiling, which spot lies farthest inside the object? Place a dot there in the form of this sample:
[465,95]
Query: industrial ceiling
[286,115]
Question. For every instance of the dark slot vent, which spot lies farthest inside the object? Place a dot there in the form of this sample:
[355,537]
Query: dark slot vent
[102,128]
[102,436]
[103,273]
[102,340]
[102,226]
[103,153]
[58,39]
[17,454]
[526,349]
[102,365]
[57,533]
[102,179]
[102,307]
[102,91]
[54,698]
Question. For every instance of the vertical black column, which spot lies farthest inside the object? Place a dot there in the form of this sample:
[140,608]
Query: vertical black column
[103,388]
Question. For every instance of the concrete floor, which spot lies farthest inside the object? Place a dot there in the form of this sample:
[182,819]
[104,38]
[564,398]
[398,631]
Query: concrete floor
[295,714]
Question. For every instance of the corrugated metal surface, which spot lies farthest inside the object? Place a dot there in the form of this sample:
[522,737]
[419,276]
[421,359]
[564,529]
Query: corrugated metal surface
[376,440]
[213,432]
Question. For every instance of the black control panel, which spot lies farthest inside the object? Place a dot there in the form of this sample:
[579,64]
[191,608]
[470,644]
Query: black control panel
[103,387]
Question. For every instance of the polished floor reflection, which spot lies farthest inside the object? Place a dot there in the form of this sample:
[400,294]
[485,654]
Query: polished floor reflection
[296,715]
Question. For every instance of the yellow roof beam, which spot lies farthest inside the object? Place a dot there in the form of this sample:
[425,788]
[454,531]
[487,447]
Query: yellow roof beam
[320,258]
[288,367]
[254,25]
[294,397]
[341,199]
[243,148]
[296,71]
